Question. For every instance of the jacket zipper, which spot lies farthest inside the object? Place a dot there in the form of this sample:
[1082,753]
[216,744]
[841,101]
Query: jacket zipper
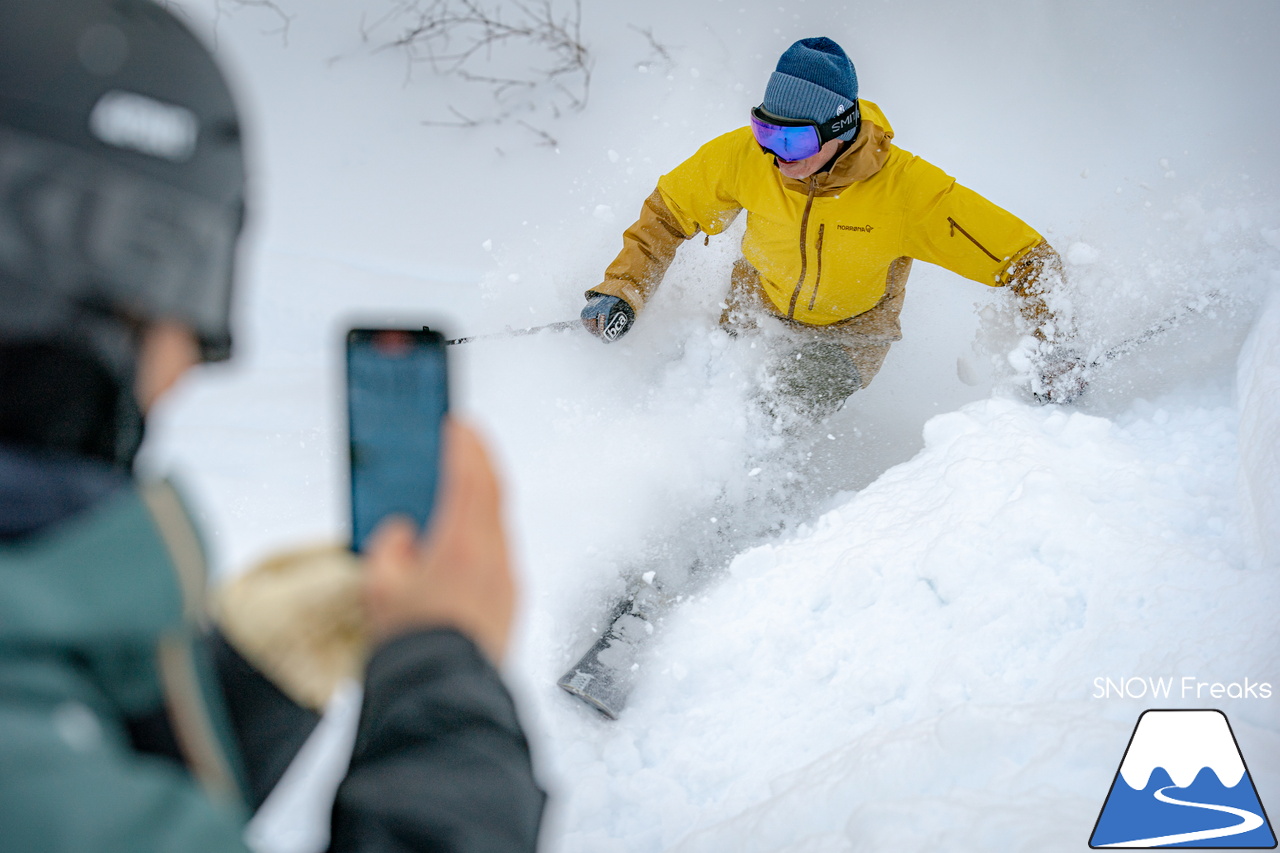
[955,226]
[817,277]
[804,249]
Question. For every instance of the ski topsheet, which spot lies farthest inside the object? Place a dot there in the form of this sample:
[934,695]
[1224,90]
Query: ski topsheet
[750,509]
[691,557]
[605,675]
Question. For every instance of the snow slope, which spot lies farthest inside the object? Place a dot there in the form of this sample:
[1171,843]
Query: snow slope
[913,663]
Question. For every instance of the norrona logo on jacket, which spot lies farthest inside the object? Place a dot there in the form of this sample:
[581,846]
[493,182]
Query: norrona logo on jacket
[867,228]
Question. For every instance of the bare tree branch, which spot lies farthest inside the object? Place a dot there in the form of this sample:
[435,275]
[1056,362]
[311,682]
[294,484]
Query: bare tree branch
[547,139]
[525,53]
[660,50]
[463,121]
[270,7]
[223,8]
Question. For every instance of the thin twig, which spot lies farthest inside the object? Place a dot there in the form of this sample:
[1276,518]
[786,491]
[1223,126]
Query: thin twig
[456,37]
[656,47]
[547,139]
[220,9]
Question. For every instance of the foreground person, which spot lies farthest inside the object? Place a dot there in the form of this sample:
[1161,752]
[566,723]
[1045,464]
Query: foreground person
[125,724]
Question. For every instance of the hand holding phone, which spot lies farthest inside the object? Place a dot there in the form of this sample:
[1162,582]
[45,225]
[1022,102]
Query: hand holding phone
[459,576]
[405,459]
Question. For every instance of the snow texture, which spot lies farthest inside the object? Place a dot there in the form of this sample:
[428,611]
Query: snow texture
[1258,387]
[941,647]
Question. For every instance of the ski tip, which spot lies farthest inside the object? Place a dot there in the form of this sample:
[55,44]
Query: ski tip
[576,684]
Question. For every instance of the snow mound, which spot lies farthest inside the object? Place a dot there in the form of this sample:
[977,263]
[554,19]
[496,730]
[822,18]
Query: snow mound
[934,639]
[1258,384]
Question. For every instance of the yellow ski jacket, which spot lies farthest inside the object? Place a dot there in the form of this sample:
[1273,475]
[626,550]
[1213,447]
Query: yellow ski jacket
[825,248]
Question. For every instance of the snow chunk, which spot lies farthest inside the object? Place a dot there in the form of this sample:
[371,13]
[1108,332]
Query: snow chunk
[754,563]
[1258,388]
[1082,254]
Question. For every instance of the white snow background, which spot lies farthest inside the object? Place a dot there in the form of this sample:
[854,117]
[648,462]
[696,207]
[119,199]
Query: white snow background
[912,664]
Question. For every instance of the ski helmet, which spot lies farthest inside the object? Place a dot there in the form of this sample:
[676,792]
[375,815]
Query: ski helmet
[121,181]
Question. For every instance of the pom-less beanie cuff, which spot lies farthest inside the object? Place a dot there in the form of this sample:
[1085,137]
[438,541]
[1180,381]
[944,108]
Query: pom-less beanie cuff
[794,97]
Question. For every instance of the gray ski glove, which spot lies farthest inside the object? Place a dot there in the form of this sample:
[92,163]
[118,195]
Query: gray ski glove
[607,317]
[1061,376]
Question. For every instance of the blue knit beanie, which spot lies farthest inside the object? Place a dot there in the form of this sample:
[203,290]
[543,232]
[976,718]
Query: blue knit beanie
[814,80]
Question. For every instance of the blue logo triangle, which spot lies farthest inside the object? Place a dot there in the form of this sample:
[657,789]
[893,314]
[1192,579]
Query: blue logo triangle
[1183,783]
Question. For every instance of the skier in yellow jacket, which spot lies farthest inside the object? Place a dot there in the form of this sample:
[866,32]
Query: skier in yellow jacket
[835,215]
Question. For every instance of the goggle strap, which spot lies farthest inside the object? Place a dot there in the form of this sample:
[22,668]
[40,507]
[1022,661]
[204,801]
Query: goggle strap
[841,124]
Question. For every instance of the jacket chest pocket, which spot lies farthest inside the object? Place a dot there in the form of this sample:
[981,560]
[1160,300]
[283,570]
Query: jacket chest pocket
[848,265]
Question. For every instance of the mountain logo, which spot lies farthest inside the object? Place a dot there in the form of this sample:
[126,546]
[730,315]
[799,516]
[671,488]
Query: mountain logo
[1182,783]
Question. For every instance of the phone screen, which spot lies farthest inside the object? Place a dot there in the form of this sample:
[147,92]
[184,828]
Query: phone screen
[397,395]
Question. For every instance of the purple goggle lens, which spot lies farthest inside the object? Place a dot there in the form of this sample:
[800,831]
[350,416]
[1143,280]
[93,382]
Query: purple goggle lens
[785,141]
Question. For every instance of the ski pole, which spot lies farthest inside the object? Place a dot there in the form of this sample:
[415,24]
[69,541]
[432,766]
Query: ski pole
[512,333]
[1156,329]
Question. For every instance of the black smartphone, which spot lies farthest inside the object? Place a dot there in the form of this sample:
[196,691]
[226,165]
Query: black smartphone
[397,395]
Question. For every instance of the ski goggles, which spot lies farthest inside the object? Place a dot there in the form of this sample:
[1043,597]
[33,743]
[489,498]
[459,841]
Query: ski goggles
[791,139]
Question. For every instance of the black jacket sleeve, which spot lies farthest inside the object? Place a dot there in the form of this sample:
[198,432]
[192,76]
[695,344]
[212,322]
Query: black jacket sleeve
[269,727]
[440,761]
